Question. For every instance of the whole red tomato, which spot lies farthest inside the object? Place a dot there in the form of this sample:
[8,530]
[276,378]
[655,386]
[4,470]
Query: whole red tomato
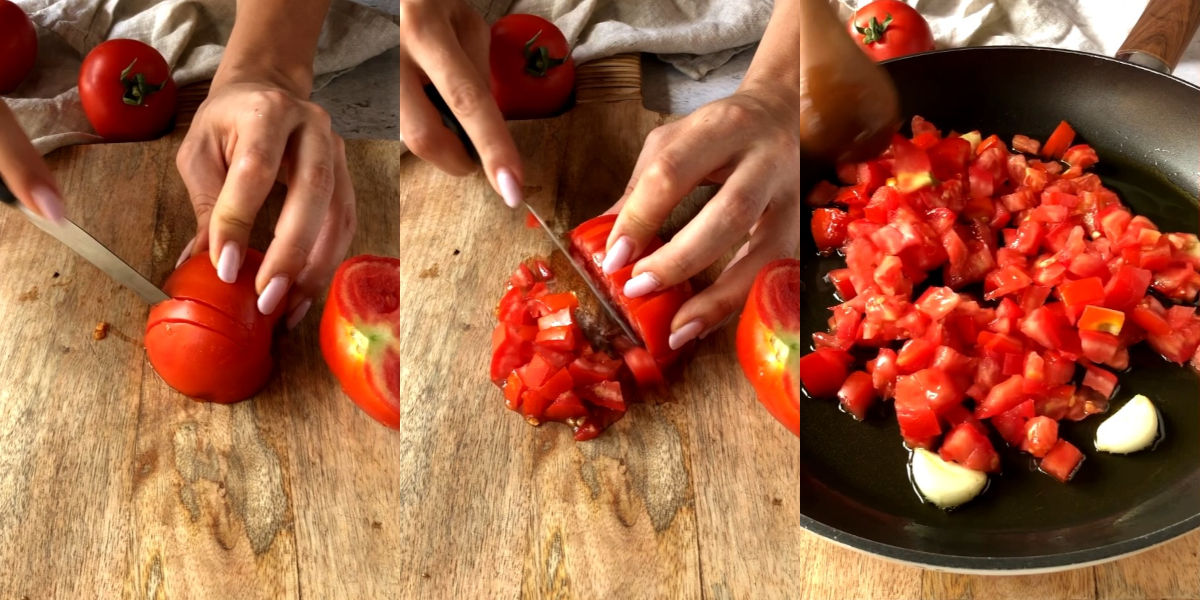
[18,46]
[532,74]
[768,340]
[209,341]
[359,330]
[127,90]
[889,28]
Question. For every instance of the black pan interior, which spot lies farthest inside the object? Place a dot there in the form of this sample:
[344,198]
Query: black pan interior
[854,488]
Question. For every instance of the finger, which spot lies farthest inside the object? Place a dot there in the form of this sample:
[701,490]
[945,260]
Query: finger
[201,166]
[421,126]
[777,236]
[252,172]
[465,89]
[721,224]
[24,172]
[309,189]
[672,172]
[332,242]
[654,142]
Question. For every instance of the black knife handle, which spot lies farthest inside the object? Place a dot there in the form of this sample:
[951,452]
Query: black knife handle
[6,195]
[450,121]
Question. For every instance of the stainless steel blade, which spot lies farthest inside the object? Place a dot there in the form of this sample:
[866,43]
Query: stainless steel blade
[612,311]
[96,253]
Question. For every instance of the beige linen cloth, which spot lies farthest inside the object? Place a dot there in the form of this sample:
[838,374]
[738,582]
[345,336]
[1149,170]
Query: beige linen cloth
[190,34]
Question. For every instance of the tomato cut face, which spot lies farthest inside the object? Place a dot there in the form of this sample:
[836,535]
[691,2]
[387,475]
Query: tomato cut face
[209,341]
[359,329]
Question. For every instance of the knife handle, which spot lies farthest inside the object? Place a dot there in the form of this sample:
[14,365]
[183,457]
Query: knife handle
[451,121]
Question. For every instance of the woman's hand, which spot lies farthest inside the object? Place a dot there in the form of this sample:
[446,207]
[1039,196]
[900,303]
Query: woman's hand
[255,128]
[246,136]
[445,42]
[23,170]
[747,143]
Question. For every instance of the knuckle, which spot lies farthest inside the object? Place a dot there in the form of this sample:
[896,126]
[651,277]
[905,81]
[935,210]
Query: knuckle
[318,178]
[271,99]
[466,98]
[724,305]
[231,221]
[734,114]
[677,266]
[743,209]
[256,161]
[663,171]
[422,141]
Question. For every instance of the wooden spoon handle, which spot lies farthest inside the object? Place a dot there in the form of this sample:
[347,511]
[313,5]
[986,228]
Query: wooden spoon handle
[1159,38]
[613,79]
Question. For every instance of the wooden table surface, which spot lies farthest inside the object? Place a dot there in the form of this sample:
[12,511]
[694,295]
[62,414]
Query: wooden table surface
[112,485]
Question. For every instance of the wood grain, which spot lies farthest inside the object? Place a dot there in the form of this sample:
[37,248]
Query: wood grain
[1163,31]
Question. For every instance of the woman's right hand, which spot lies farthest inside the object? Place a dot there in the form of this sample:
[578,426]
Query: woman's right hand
[23,170]
[445,42]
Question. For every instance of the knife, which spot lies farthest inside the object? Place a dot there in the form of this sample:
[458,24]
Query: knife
[452,123]
[583,273]
[91,250]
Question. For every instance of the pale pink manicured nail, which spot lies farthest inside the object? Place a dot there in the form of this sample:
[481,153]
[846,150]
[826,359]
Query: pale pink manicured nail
[229,263]
[685,334]
[268,301]
[509,189]
[641,285]
[618,255]
[298,313]
[48,203]
[187,252]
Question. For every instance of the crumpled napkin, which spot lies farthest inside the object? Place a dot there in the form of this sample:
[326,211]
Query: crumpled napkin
[695,36]
[190,34]
[1084,25]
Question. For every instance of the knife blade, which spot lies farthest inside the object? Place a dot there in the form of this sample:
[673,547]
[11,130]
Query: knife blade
[450,120]
[583,273]
[91,250]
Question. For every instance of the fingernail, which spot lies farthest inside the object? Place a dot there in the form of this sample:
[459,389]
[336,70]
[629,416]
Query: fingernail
[618,255]
[229,262]
[509,189]
[268,301]
[685,334]
[187,252]
[48,203]
[298,313]
[641,285]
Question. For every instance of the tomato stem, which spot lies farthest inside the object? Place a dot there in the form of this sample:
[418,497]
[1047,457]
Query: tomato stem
[136,88]
[873,32]
[538,61]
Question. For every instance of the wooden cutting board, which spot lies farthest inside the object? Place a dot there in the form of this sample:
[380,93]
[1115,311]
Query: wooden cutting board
[114,485]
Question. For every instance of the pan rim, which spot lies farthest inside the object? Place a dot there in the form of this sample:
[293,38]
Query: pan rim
[1042,49]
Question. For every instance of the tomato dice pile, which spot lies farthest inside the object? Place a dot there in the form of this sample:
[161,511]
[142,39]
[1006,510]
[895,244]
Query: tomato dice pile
[548,370]
[983,280]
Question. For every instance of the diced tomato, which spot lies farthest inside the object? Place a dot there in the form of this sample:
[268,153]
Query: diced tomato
[884,372]
[1002,397]
[823,372]
[559,318]
[840,278]
[1098,347]
[913,169]
[1098,318]
[1056,403]
[551,303]
[1059,141]
[1041,435]
[606,394]
[1101,380]
[522,277]
[968,447]
[513,388]
[1025,144]
[561,338]
[1010,424]
[1080,292]
[594,367]
[1005,281]
[643,367]
[857,394]
[566,406]
[829,228]
[1151,321]
[915,354]
[1126,288]
[918,423]
[1062,461]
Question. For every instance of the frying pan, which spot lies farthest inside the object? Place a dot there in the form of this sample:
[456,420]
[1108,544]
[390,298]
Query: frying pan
[1145,127]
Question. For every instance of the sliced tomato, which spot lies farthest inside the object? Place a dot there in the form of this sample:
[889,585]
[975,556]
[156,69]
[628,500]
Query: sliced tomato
[1098,318]
[1059,141]
[1062,461]
[1041,435]
[643,367]
[1002,397]
[968,447]
[823,372]
[829,228]
[857,394]
[918,423]
[1101,380]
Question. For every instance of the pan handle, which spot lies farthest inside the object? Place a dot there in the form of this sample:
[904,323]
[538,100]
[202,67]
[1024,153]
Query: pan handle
[1160,36]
